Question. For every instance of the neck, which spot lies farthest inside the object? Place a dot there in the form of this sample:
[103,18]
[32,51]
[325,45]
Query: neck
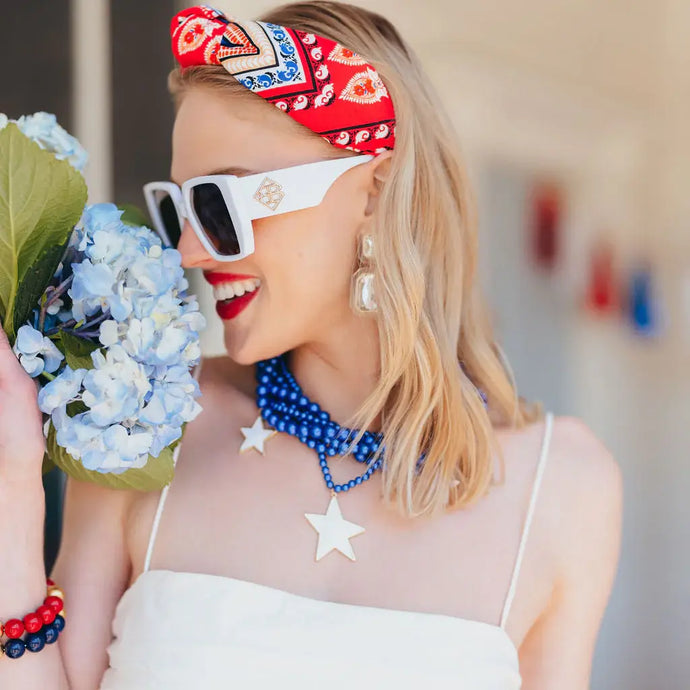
[340,372]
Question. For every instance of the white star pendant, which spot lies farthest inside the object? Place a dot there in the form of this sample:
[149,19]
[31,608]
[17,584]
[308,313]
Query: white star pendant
[334,531]
[255,436]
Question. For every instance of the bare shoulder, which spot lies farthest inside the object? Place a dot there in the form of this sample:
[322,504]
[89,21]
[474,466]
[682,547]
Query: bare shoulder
[587,489]
[582,496]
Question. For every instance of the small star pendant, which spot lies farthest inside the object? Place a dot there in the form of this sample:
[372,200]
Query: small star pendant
[255,436]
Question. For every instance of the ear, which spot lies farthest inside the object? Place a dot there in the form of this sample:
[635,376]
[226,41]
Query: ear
[379,169]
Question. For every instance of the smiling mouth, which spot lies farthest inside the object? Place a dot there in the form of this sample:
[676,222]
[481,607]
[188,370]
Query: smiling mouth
[233,297]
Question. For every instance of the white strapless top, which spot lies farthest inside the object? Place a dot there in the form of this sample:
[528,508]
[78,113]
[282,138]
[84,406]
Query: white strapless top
[193,630]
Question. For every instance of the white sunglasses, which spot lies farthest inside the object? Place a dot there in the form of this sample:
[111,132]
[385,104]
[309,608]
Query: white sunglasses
[221,208]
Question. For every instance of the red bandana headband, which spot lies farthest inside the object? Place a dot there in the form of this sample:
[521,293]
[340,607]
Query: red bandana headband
[321,84]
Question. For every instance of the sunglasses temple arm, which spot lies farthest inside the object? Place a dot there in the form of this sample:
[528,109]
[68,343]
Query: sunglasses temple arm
[294,188]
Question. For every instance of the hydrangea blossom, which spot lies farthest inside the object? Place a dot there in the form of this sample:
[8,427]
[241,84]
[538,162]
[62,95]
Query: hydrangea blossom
[36,353]
[44,129]
[128,294]
[119,291]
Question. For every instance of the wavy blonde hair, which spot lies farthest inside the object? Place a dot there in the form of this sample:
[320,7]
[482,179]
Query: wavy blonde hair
[436,342]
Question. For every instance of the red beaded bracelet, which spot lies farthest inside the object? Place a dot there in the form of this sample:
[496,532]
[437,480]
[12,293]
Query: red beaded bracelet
[45,623]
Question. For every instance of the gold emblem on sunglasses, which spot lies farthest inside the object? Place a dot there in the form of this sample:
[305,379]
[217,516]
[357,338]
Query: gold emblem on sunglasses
[269,193]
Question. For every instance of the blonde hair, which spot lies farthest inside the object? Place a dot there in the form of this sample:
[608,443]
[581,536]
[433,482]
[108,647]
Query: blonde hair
[436,343]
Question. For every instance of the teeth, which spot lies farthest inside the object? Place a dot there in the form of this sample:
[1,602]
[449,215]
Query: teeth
[235,288]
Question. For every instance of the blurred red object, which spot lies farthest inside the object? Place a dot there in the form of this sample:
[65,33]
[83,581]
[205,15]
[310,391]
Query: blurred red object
[602,290]
[546,215]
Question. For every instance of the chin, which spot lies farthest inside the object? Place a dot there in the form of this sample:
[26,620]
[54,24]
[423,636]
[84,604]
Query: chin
[248,353]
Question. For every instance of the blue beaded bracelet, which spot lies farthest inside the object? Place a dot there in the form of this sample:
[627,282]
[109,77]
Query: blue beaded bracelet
[34,642]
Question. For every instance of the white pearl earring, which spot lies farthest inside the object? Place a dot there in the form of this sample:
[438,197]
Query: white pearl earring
[362,297]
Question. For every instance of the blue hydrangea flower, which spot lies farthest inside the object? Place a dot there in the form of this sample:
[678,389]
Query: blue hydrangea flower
[44,129]
[62,390]
[128,295]
[36,353]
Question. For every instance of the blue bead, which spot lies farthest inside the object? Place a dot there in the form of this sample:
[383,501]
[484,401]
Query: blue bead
[337,488]
[316,431]
[261,390]
[358,480]
[345,487]
[265,379]
[293,396]
[313,407]
[282,393]
[304,430]
[331,432]
[323,463]
[292,429]
[59,623]
[327,475]
[351,483]
[35,641]
[321,448]
[303,401]
[329,484]
[14,649]
[50,633]
[261,402]
[365,477]
[281,425]
[311,443]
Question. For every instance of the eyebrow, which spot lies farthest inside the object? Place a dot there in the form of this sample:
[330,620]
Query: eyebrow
[233,170]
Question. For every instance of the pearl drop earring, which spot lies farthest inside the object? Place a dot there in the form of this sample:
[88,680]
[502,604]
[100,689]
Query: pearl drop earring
[362,297]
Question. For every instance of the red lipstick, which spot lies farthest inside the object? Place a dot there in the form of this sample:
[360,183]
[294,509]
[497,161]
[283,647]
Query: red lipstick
[229,309]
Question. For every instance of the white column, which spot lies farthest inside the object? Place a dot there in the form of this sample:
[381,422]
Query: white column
[91,93]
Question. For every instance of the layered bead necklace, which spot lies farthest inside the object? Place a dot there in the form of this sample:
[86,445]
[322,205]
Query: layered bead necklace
[283,405]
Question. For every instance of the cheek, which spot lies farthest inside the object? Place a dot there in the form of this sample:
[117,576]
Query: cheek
[307,254]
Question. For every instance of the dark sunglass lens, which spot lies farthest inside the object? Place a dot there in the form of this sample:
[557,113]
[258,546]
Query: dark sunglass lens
[210,209]
[169,218]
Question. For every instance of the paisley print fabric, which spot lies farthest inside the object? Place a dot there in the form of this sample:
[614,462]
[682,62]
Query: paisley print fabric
[323,85]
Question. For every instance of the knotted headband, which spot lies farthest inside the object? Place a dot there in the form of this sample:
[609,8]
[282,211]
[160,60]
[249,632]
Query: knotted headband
[326,87]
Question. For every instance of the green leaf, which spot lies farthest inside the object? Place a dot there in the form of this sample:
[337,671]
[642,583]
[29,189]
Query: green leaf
[133,215]
[34,283]
[41,199]
[154,476]
[48,464]
[77,350]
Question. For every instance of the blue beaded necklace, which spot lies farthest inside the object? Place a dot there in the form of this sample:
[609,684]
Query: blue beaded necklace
[284,406]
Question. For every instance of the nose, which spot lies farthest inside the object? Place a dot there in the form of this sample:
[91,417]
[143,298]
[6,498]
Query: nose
[194,254]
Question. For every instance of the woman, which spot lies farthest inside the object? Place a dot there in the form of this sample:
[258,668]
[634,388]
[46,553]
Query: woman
[268,560]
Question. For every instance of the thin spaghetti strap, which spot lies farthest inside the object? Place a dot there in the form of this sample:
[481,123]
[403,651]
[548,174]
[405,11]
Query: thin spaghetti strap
[163,496]
[548,425]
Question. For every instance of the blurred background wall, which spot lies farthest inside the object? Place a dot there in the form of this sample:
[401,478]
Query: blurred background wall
[573,119]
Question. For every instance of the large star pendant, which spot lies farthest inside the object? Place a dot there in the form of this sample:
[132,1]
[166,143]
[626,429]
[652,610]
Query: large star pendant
[334,531]
[255,436]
